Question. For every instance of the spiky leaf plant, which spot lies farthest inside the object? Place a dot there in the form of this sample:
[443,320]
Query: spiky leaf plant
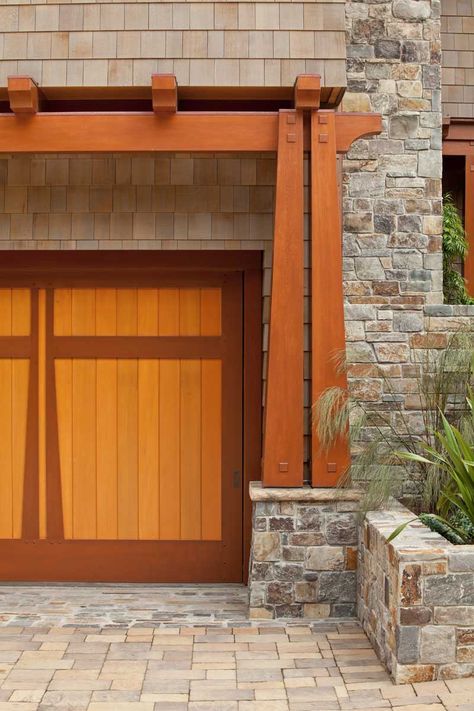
[378,432]
[455,248]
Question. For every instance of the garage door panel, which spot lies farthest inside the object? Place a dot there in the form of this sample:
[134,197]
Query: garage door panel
[121,406]
[14,376]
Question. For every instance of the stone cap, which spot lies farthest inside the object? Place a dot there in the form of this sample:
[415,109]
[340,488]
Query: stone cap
[301,493]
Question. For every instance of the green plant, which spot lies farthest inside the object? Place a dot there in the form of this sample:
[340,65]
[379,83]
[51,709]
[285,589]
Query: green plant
[454,252]
[440,380]
[455,457]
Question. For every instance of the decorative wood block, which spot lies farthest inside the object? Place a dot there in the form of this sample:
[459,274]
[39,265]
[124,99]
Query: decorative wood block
[23,94]
[308,92]
[164,91]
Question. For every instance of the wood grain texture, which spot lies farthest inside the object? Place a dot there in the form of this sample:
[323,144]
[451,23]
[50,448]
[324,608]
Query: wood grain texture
[42,472]
[283,428]
[328,336]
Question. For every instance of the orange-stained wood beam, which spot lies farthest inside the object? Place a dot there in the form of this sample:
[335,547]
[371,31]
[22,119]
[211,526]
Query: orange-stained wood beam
[149,132]
[23,95]
[307,92]
[283,429]
[164,93]
[469,224]
[327,304]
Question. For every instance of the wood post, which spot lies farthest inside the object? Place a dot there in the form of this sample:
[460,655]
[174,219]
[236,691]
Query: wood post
[164,92]
[469,224]
[327,303]
[23,95]
[283,431]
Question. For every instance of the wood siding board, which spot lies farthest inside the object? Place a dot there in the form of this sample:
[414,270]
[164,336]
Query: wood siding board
[127,458]
[211,316]
[63,370]
[84,449]
[168,312]
[283,431]
[127,312]
[21,312]
[148,448]
[5,312]
[107,445]
[169,423]
[190,449]
[106,312]
[190,312]
[30,515]
[6,468]
[20,379]
[147,305]
[211,450]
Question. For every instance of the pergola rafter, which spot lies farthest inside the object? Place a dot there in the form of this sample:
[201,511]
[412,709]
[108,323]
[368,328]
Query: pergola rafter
[288,133]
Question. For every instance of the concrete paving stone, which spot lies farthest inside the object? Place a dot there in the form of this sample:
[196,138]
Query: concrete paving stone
[213,706]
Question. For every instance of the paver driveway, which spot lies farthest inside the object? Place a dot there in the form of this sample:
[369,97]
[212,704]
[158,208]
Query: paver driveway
[107,665]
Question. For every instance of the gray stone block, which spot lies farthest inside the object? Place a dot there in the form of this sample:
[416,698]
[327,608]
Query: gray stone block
[408,644]
[337,587]
[438,644]
[454,589]
[342,529]
[325,558]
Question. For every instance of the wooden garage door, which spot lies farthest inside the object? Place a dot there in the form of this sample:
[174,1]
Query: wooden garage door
[121,412]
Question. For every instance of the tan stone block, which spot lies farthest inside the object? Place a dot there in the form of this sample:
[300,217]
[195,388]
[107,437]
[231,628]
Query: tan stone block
[260,613]
[266,546]
[316,611]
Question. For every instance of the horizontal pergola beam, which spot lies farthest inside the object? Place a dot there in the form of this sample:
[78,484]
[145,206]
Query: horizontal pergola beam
[150,132]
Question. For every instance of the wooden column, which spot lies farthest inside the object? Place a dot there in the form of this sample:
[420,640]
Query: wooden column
[469,223]
[283,433]
[327,303]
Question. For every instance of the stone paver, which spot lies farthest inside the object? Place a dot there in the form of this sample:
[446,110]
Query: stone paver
[163,665]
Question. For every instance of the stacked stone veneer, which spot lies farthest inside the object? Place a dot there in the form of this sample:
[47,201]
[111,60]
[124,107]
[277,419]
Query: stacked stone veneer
[416,599]
[304,552]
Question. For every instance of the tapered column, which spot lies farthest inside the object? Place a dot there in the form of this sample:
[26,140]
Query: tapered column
[283,434]
[469,224]
[327,303]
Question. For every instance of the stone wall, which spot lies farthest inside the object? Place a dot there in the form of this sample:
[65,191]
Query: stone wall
[304,553]
[416,599]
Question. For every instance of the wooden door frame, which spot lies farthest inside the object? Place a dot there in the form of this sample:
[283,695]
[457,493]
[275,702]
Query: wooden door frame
[37,269]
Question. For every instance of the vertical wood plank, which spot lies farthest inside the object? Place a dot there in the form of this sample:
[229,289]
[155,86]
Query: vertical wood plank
[63,372]
[211,450]
[83,312]
[127,449]
[189,312]
[328,337]
[84,449]
[5,312]
[147,312]
[106,312]
[190,449]
[107,503]
[20,379]
[211,312]
[168,312]
[469,224]
[148,449]
[127,312]
[6,488]
[42,411]
[283,432]
[169,449]
[63,312]
[21,312]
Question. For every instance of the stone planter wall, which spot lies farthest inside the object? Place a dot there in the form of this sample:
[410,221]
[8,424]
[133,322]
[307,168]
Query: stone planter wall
[304,552]
[416,599]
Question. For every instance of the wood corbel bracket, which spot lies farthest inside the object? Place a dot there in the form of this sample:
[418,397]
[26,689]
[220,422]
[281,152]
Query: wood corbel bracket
[23,94]
[164,92]
[307,92]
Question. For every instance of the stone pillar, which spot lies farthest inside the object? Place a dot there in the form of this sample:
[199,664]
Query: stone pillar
[303,558]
